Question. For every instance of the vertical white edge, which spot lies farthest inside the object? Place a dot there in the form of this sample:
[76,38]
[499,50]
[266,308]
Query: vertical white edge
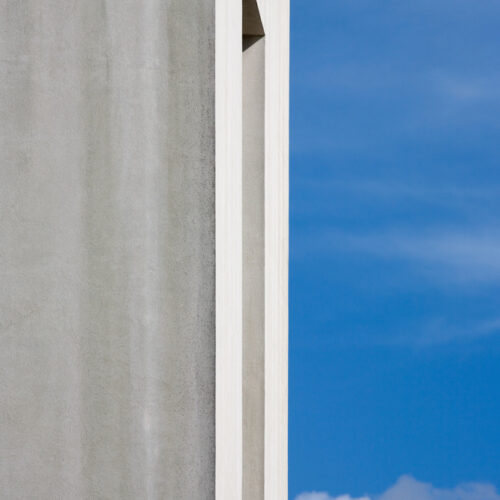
[276,18]
[228,247]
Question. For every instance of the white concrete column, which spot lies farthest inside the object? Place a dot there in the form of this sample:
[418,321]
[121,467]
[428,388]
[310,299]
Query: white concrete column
[276,20]
[228,194]
[265,249]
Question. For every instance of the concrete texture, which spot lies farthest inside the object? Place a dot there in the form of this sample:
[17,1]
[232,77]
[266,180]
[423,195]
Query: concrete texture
[107,255]
[253,267]
[122,211]
[265,314]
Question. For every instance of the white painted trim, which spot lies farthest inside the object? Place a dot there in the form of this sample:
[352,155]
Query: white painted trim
[228,131]
[276,15]
[228,247]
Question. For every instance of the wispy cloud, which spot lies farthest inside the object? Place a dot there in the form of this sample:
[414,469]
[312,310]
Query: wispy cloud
[419,99]
[364,76]
[408,488]
[326,496]
[384,191]
[466,88]
[444,254]
[373,77]
[440,331]
[399,189]
[453,255]
[457,262]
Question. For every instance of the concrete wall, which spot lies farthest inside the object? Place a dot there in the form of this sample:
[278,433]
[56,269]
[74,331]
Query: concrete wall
[253,267]
[239,439]
[121,245]
[107,249]
[228,244]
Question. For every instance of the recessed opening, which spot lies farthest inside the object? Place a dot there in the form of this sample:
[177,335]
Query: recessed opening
[252,21]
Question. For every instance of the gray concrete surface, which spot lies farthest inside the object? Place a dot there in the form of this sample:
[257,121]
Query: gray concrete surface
[253,267]
[107,249]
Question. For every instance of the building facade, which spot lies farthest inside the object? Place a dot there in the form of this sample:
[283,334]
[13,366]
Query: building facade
[143,249]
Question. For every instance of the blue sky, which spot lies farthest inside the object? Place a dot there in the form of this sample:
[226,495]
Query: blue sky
[395,250]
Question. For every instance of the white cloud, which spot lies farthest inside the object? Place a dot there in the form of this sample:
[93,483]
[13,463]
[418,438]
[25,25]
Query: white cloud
[469,89]
[325,496]
[453,259]
[440,331]
[444,254]
[459,256]
[394,189]
[408,488]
